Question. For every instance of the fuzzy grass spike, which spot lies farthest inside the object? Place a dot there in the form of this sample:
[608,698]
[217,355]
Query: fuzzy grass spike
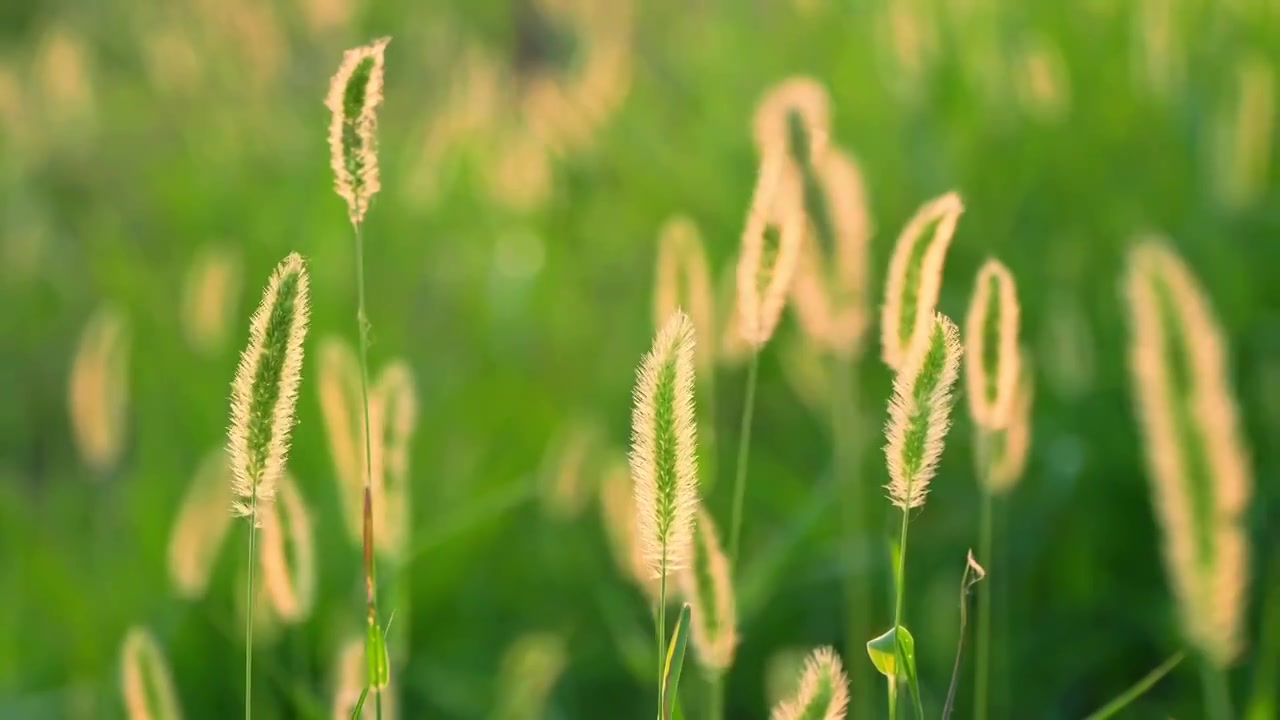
[915,276]
[823,693]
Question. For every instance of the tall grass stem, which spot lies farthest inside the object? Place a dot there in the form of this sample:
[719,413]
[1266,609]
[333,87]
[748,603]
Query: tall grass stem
[982,669]
[845,458]
[744,452]
[662,631]
[1217,693]
[248,623]
[900,589]
[1137,689]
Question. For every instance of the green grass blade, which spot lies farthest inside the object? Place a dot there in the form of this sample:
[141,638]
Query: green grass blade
[1138,689]
[355,712]
[675,662]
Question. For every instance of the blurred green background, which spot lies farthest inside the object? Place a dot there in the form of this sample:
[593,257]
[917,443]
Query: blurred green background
[512,268]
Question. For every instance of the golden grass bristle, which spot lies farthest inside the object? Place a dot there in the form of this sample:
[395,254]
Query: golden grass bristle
[991,346]
[664,462]
[1243,134]
[288,554]
[802,98]
[566,475]
[264,393]
[683,279]
[98,390]
[1009,456]
[823,692]
[353,99]
[619,518]
[209,298]
[531,667]
[707,585]
[146,683]
[920,413]
[782,673]
[393,417]
[350,678]
[343,417]
[201,526]
[915,276]
[765,269]
[1196,457]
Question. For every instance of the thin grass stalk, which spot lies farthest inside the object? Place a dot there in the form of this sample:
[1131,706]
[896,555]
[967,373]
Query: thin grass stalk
[845,458]
[744,452]
[899,592]
[1217,692]
[1138,689]
[715,698]
[662,626]
[982,667]
[248,623]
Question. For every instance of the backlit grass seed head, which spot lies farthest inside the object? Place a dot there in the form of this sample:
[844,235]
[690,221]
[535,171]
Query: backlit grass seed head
[201,525]
[1196,458]
[288,554]
[209,299]
[530,669]
[355,92]
[566,474]
[393,417]
[706,584]
[915,276]
[829,294]
[920,413]
[265,390]
[619,519]
[342,412]
[683,279]
[823,693]
[1243,132]
[146,682]
[771,244]
[991,347]
[794,116]
[1013,444]
[98,390]
[350,678]
[664,463]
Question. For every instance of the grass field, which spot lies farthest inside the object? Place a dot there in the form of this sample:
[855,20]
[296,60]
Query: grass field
[158,160]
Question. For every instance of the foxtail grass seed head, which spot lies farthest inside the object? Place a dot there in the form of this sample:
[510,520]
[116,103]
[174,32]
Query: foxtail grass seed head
[209,299]
[393,417]
[288,554]
[1196,457]
[683,279]
[771,243]
[98,390]
[355,92]
[618,516]
[342,412]
[201,526]
[782,673]
[920,413]
[350,679]
[145,680]
[991,347]
[1243,132]
[1013,444]
[664,463]
[530,669]
[567,471]
[265,390]
[915,276]
[706,584]
[823,693]
[794,109]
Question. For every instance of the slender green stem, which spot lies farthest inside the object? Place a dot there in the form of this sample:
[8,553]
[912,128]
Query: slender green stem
[715,698]
[1137,689]
[900,582]
[362,322]
[982,671]
[662,628]
[1217,694]
[248,621]
[744,451]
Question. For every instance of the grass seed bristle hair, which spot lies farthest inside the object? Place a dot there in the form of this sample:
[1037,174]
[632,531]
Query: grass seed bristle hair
[823,693]
[771,244]
[664,463]
[146,683]
[98,390]
[618,516]
[683,279]
[265,391]
[991,347]
[915,276]
[1196,460]
[800,100]
[288,554]
[355,92]
[919,413]
[708,587]
[201,526]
